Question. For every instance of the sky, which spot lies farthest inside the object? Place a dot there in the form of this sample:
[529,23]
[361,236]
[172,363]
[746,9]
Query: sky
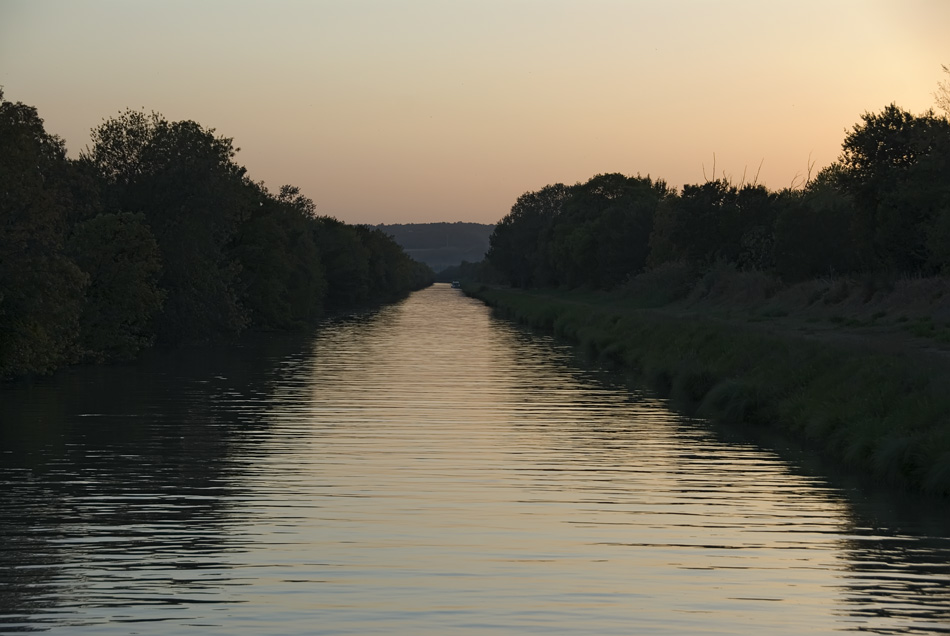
[410,111]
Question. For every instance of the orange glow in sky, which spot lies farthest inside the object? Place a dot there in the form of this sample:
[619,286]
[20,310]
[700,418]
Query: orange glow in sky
[389,111]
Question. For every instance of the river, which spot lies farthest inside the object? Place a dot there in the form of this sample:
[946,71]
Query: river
[429,469]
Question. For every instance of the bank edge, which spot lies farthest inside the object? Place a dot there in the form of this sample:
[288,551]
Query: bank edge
[882,414]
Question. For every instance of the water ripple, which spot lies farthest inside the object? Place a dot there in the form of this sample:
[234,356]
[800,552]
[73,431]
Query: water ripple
[427,469]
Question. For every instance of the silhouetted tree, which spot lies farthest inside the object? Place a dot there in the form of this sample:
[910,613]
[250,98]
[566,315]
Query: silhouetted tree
[602,235]
[593,234]
[122,260]
[516,247]
[756,208]
[699,226]
[156,231]
[282,273]
[193,194]
[813,230]
[346,262]
[41,289]
[897,168]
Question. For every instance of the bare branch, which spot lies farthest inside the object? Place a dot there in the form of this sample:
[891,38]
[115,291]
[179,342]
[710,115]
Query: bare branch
[942,94]
[705,178]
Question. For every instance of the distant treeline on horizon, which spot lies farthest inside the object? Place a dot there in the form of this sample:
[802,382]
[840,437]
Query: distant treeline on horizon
[156,235]
[442,245]
[882,208]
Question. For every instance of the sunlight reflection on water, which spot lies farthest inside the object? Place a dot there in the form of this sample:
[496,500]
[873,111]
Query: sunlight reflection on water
[424,470]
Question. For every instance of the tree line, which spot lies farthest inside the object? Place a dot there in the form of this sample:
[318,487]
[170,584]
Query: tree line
[882,207]
[155,234]
[441,245]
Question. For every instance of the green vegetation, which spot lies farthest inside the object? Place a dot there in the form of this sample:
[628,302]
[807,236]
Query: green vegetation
[821,310]
[156,235]
[876,403]
[882,208]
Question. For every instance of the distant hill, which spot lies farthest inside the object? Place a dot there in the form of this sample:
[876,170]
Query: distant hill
[442,245]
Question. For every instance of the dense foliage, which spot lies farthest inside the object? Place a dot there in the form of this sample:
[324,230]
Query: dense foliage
[156,234]
[884,206]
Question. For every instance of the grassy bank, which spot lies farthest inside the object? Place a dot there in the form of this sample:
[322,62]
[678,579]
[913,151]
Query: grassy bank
[857,388]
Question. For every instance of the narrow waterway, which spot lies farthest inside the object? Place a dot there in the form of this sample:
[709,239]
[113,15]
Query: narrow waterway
[427,469]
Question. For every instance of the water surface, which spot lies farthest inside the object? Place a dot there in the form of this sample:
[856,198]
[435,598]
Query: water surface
[428,469]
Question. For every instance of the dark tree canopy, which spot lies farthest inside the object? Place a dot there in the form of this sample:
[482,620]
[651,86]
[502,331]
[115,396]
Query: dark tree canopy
[193,195]
[595,233]
[41,289]
[516,248]
[884,206]
[896,166]
[157,235]
[123,261]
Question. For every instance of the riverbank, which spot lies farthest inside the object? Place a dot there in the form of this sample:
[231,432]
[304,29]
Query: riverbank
[826,363]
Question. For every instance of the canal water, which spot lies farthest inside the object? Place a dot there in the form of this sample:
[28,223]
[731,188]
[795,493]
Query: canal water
[428,469]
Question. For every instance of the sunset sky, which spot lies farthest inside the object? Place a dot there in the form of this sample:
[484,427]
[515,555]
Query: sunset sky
[388,111]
